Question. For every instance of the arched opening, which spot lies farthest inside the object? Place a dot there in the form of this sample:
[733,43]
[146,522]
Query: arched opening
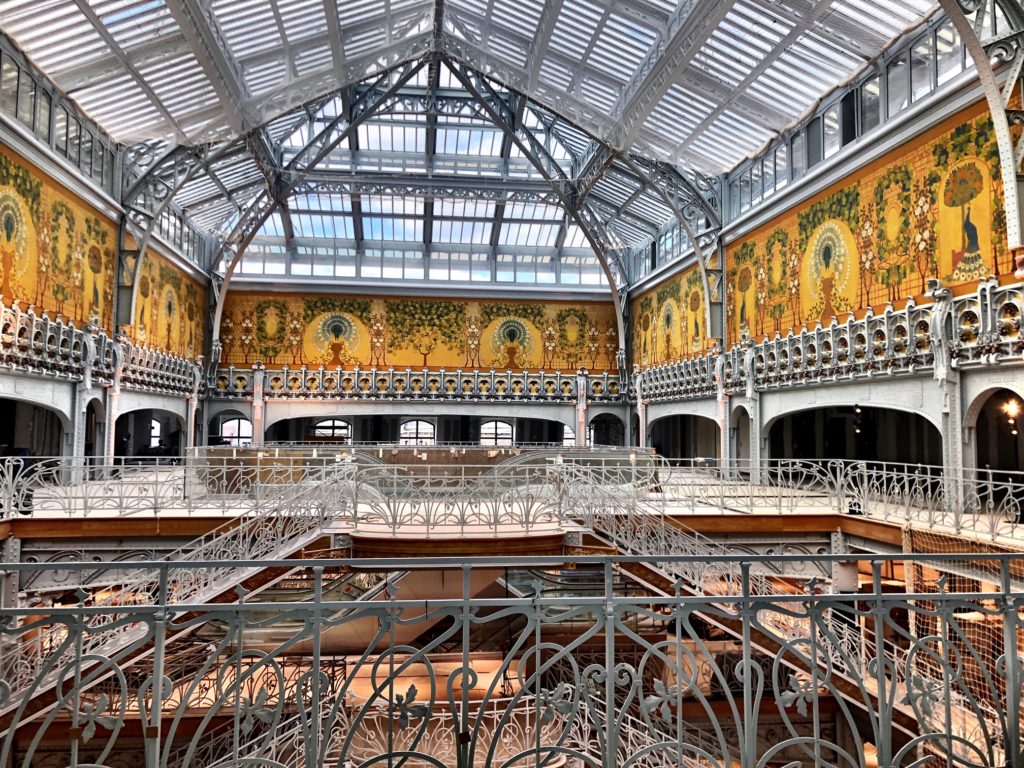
[857,432]
[93,429]
[149,432]
[739,435]
[416,432]
[230,428]
[568,436]
[999,439]
[685,437]
[539,431]
[497,433]
[27,429]
[606,429]
[332,431]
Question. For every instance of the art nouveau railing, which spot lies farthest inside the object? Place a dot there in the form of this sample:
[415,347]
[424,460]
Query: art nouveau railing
[39,345]
[982,504]
[413,384]
[985,328]
[152,370]
[635,524]
[802,698]
[219,485]
[277,528]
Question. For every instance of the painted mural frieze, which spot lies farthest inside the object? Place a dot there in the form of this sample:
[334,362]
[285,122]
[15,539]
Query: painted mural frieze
[56,254]
[169,311]
[344,331]
[931,210]
[668,322]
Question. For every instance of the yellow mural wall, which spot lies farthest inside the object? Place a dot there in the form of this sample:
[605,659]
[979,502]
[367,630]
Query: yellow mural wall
[668,321]
[335,330]
[169,310]
[56,252]
[932,209]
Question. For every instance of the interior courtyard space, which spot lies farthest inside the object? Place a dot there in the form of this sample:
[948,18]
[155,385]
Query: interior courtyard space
[511,384]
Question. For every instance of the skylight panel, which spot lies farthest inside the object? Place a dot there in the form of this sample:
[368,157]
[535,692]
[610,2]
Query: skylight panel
[266,75]
[313,59]
[302,18]
[469,142]
[248,26]
[622,45]
[508,48]
[576,25]
[135,23]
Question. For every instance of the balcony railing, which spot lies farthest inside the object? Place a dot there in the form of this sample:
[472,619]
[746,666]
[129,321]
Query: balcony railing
[414,384]
[40,346]
[982,328]
[947,686]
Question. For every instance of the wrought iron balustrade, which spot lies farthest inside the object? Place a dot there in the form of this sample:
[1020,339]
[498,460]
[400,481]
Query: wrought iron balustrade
[222,485]
[678,697]
[277,528]
[413,384]
[36,344]
[983,328]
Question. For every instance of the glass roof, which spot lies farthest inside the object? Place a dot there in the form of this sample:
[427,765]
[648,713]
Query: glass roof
[699,82]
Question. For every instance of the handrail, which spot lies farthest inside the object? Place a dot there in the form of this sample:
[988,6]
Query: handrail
[275,530]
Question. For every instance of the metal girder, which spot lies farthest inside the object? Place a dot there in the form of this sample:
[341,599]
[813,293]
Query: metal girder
[207,42]
[334,32]
[705,244]
[432,186]
[146,200]
[359,109]
[503,115]
[1007,48]
[593,167]
[687,30]
[545,28]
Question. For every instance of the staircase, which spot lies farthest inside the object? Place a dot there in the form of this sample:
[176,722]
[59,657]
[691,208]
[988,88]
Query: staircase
[37,652]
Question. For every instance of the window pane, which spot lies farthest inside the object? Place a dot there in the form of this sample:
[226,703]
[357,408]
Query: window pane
[831,129]
[921,67]
[814,147]
[73,136]
[949,53]
[755,182]
[43,115]
[61,140]
[769,173]
[27,100]
[86,163]
[745,190]
[781,166]
[797,159]
[897,85]
[8,85]
[870,104]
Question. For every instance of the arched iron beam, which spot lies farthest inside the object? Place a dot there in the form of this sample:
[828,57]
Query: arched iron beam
[712,291]
[998,100]
[564,188]
[192,160]
[370,101]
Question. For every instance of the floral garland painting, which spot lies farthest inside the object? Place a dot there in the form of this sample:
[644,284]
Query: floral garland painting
[344,331]
[56,253]
[669,321]
[930,210]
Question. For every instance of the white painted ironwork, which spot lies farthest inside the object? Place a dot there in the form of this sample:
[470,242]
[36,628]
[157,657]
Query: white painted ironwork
[606,695]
